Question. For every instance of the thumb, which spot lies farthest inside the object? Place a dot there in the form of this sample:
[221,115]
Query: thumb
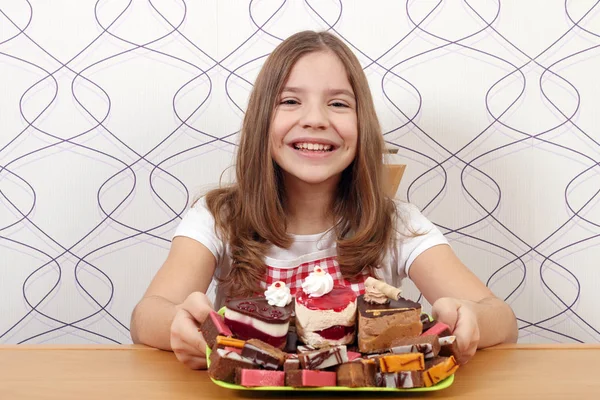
[445,310]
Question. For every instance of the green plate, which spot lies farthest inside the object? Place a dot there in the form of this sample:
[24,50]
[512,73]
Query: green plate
[439,386]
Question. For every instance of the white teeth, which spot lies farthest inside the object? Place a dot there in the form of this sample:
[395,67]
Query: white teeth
[313,146]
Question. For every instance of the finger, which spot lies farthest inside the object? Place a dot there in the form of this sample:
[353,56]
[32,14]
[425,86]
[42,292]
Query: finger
[198,305]
[463,331]
[191,349]
[191,335]
[192,362]
[467,334]
[186,329]
[446,310]
[464,357]
[197,363]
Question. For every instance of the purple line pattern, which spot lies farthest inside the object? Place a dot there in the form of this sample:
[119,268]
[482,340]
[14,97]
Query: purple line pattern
[115,114]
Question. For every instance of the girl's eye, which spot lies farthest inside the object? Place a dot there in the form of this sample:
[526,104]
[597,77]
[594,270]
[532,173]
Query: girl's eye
[339,104]
[289,102]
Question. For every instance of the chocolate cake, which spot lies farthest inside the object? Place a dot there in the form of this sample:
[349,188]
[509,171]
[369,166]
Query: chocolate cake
[428,345]
[263,354]
[400,380]
[212,327]
[223,364]
[380,324]
[357,374]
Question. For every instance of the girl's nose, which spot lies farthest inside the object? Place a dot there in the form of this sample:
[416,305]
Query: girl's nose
[315,117]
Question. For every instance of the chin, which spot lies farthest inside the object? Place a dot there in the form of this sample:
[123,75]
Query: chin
[318,180]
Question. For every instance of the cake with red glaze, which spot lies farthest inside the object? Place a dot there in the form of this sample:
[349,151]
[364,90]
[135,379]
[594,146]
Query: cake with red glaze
[264,318]
[325,313]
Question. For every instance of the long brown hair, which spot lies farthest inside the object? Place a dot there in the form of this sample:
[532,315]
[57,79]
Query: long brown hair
[250,214]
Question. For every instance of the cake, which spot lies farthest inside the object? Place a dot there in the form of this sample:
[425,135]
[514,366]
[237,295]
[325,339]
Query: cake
[223,364]
[384,316]
[263,354]
[325,313]
[264,318]
[310,378]
[400,380]
[324,357]
[394,351]
[212,327]
[357,374]
[259,377]
[428,345]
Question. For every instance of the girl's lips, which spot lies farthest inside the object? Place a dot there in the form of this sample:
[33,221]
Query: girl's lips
[314,140]
[313,154]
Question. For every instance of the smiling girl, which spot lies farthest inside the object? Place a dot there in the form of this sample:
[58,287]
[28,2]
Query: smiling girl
[310,190]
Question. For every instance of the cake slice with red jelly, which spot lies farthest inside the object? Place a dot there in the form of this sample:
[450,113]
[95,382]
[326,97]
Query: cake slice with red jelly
[325,314]
[264,318]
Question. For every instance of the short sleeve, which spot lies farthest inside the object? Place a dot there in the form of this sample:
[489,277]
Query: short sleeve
[410,246]
[198,224]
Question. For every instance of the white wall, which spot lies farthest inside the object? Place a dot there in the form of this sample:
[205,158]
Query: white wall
[113,114]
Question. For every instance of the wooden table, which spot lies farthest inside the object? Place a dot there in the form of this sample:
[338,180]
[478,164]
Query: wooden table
[138,372]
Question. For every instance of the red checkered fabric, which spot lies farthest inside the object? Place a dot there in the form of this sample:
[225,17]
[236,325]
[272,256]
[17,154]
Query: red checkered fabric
[293,277]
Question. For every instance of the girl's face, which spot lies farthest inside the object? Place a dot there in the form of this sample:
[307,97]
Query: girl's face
[314,131]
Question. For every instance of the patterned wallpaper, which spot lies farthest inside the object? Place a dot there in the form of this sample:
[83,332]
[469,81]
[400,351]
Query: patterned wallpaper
[114,114]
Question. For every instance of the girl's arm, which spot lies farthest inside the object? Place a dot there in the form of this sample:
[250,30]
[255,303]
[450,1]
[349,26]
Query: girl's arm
[475,315]
[178,287]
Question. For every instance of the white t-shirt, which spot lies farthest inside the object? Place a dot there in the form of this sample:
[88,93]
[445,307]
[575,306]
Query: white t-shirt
[294,264]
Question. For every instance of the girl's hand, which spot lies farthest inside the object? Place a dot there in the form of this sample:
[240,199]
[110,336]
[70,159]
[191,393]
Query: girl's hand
[460,316]
[187,341]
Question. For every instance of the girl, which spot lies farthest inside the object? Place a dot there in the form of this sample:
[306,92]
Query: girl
[309,190]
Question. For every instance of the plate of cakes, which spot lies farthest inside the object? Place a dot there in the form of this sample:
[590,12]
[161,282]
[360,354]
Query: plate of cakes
[327,338]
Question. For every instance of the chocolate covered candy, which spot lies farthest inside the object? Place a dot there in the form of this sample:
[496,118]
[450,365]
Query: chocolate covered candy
[223,364]
[448,346]
[310,378]
[428,345]
[402,362]
[254,318]
[259,377]
[263,354]
[441,369]
[291,342]
[440,329]
[212,327]
[360,373]
[291,362]
[323,358]
[400,380]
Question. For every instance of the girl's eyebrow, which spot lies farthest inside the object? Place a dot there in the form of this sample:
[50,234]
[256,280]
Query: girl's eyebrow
[330,92]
